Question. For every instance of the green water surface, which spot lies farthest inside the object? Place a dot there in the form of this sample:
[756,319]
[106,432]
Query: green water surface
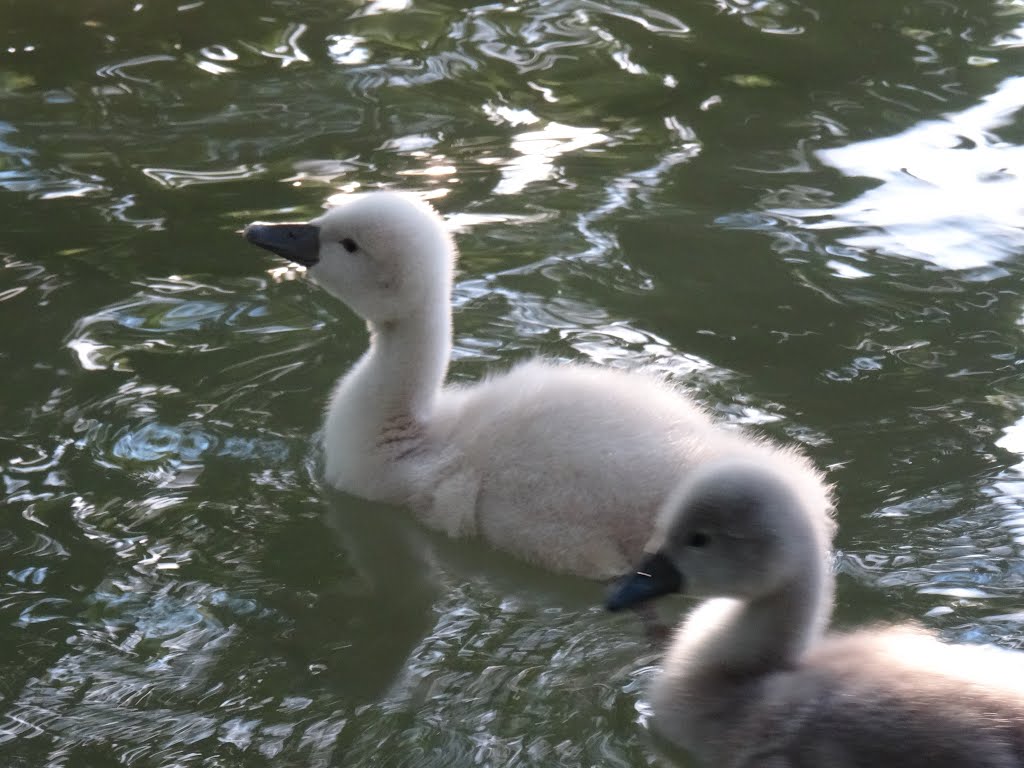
[807,214]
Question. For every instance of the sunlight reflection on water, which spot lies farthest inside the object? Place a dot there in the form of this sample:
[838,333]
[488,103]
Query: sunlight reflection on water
[950,191]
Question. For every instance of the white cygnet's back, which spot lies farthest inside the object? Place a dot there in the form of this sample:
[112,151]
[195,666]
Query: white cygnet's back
[751,678]
[562,464]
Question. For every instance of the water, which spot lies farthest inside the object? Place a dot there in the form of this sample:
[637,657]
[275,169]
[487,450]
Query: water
[806,213]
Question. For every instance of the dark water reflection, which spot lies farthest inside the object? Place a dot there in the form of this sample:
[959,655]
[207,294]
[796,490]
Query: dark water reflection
[803,212]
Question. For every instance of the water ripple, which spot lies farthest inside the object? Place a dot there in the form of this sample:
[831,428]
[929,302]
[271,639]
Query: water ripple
[175,178]
[960,551]
[122,69]
[480,659]
[769,17]
[188,443]
[159,318]
[287,51]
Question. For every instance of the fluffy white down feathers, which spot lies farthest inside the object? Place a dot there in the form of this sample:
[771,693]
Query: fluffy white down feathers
[564,465]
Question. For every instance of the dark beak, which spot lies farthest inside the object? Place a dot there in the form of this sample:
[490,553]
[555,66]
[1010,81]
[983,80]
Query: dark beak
[655,577]
[296,242]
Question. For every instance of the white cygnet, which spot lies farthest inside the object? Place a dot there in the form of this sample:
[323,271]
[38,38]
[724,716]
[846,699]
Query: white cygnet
[752,678]
[564,465]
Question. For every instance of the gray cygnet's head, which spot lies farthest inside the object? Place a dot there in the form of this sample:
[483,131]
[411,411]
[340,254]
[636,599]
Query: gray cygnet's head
[734,528]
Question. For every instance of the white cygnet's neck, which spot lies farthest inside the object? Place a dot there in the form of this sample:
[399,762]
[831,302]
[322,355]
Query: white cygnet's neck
[406,363]
[380,409]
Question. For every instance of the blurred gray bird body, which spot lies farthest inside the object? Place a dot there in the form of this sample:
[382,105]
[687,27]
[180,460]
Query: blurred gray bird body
[752,677]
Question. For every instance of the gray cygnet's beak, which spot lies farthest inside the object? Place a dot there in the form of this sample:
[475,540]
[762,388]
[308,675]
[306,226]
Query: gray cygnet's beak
[654,577]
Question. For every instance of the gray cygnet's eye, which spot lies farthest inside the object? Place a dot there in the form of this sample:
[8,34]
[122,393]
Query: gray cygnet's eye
[699,539]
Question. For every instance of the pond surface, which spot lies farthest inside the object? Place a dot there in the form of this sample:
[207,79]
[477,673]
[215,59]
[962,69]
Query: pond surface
[806,213]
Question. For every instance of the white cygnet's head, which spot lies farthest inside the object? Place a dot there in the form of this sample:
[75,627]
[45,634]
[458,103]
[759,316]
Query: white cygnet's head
[733,529]
[387,255]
